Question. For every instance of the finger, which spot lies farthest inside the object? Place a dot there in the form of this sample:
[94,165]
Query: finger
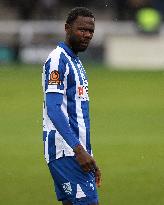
[90,166]
[98,177]
[97,173]
[94,167]
[85,167]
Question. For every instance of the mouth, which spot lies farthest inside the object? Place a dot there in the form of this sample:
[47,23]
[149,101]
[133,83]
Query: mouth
[84,43]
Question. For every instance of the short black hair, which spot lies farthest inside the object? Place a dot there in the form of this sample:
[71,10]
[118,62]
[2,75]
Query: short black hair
[78,11]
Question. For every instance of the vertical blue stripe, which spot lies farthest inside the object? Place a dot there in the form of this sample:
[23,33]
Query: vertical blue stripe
[47,70]
[44,135]
[62,70]
[44,139]
[51,144]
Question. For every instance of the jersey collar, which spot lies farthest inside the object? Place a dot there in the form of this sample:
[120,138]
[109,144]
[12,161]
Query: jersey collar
[67,49]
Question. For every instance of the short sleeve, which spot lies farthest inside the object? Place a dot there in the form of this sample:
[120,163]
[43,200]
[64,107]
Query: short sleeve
[55,69]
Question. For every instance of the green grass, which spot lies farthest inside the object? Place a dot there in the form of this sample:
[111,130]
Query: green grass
[127,116]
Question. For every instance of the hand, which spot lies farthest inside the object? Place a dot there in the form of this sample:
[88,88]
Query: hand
[98,177]
[87,163]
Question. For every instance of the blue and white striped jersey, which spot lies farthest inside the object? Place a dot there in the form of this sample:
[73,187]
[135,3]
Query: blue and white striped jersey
[64,73]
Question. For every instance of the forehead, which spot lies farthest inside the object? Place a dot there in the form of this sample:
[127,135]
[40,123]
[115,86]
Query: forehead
[84,22]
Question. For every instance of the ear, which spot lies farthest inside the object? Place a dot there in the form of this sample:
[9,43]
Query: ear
[67,27]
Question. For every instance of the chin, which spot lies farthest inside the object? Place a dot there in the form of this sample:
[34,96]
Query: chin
[81,49]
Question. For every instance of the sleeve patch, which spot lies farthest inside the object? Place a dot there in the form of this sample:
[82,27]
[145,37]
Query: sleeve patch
[54,78]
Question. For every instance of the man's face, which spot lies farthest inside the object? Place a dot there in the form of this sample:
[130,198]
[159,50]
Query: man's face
[80,32]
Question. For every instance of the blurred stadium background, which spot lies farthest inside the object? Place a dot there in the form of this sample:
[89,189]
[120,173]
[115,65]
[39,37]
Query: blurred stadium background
[125,64]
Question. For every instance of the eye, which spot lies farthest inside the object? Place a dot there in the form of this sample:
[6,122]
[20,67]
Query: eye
[82,30]
[91,31]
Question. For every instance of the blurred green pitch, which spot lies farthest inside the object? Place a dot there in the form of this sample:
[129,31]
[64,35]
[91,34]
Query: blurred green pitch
[127,120]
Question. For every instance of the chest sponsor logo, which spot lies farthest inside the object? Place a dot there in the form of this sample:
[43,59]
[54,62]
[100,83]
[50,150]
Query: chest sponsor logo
[80,90]
[83,92]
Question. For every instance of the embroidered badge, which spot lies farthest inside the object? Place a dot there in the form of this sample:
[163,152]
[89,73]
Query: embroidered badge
[67,187]
[54,78]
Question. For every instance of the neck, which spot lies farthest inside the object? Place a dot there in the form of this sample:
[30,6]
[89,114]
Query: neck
[70,46]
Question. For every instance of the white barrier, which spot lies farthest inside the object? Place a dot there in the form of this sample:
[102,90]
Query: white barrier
[135,52]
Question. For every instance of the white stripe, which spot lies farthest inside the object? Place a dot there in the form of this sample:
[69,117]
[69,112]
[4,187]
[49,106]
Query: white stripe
[52,89]
[64,104]
[46,148]
[79,193]
[54,65]
[59,145]
[55,57]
